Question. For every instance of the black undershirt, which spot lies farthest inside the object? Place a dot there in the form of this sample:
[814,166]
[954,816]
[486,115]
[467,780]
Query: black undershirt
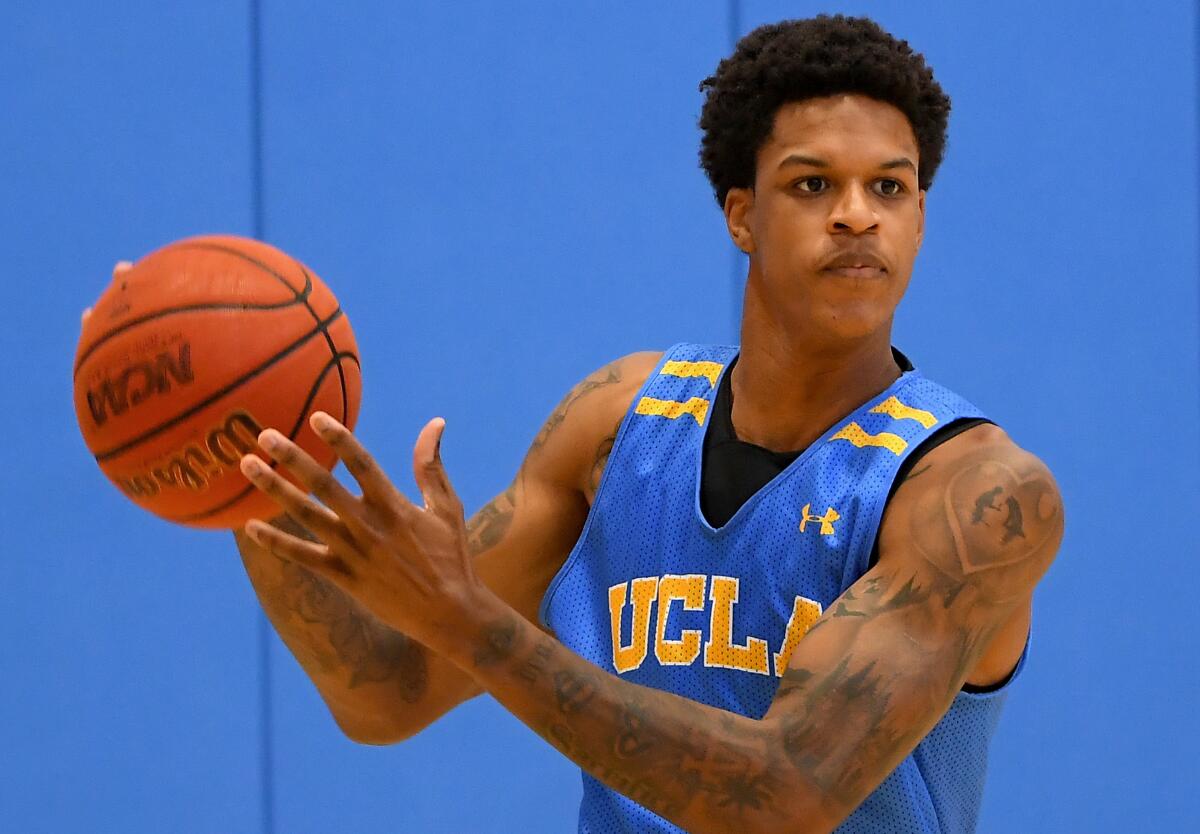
[732,470]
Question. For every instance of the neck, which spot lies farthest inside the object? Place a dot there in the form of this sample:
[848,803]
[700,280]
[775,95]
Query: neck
[789,385]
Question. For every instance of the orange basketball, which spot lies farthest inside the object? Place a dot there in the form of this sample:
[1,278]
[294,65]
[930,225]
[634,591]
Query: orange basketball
[192,352]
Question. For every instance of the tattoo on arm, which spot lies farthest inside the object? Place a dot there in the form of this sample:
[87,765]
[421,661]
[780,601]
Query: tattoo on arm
[498,644]
[601,460]
[868,681]
[332,636]
[488,526]
[608,375]
[976,553]
[654,747]
[371,652]
[919,471]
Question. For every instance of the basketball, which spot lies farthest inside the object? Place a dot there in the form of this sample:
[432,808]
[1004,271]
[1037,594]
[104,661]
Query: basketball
[189,354]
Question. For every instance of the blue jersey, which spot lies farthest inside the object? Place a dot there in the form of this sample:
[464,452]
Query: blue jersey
[653,593]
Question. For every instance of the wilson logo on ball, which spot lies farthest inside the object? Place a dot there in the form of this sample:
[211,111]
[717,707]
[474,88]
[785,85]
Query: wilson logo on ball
[196,464]
[140,381]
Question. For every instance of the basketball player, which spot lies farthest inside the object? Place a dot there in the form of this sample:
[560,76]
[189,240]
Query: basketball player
[777,587]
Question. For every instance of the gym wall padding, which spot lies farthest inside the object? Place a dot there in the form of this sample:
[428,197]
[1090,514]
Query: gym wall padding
[505,197]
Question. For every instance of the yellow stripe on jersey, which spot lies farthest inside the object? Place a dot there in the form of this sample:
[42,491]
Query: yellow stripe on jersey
[711,370]
[854,433]
[897,410]
[671,409]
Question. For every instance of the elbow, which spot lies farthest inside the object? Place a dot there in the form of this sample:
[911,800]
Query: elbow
[373,733]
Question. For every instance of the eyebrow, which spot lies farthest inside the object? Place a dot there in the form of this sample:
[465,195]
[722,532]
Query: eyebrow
[812,161]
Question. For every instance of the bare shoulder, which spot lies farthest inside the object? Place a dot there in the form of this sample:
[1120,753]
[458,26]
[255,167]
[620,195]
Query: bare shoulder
[981,511]
[574,442]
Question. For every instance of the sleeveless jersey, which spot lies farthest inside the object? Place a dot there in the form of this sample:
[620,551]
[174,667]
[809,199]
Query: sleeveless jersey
[654,594]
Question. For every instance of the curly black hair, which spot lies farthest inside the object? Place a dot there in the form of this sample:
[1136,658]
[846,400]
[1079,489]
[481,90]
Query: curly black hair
[800,59]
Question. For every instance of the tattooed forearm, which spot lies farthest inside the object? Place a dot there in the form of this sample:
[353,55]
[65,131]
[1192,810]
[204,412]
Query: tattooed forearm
[338,643]
[703,768]
[497,646]
[369,651]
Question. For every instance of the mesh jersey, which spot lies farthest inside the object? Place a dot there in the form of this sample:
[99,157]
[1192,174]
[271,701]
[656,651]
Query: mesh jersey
[653,593]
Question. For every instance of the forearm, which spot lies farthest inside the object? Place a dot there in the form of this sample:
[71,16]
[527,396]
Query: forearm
[380,685]
[705,769]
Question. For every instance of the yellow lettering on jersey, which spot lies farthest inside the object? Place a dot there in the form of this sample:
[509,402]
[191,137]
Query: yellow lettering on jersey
[897,410]
[720,649]
[688,589]
[671,409]
[711,370]
[854,433]
[805,612]
[628,658]
[826,521]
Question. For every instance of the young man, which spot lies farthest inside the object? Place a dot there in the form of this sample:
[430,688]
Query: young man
[684,519]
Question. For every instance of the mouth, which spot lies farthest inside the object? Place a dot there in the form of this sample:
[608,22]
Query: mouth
[861,271]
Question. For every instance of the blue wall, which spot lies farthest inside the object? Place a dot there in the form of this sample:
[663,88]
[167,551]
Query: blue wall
[503,199]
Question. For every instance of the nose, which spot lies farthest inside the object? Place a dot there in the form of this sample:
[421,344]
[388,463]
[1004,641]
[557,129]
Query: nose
[852,213]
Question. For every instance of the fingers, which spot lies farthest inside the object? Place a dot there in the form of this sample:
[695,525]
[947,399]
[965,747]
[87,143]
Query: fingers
[430,473]
[315,478]
[118,268]
[374,481]
[308,513]
[315,556]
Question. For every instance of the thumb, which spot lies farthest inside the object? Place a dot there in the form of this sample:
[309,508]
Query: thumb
[430,472]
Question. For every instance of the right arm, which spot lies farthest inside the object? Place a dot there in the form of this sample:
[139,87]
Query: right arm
[380,685]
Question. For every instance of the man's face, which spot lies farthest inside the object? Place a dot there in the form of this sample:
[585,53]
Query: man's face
[835,218]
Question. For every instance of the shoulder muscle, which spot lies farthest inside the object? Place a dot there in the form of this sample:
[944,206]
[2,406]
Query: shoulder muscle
[984,512]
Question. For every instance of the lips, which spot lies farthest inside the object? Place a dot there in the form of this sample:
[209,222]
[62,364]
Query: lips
[856,265]
[858,271]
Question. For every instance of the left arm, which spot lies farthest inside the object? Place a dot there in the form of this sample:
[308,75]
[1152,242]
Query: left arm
[961,549]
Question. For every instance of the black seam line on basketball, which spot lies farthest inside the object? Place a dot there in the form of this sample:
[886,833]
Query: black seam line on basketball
[298,297]
[229,250]
[332,349]
[312,395]
[209,400]
[172,311]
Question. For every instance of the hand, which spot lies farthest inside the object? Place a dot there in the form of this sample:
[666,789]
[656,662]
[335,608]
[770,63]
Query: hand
[118,268]
[407,565]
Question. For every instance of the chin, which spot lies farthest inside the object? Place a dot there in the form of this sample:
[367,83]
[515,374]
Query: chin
[853,322]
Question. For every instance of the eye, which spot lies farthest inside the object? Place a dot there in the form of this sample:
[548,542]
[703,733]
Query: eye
[811,185]
[889,188]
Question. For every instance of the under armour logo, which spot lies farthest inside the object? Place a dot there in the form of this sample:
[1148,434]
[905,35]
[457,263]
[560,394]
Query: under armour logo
[807,516]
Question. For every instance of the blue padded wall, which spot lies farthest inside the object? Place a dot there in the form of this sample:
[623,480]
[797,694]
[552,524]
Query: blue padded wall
[131,701]
[504,197]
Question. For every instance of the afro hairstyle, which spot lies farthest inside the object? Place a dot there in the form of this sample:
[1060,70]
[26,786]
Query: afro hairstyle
[796,60]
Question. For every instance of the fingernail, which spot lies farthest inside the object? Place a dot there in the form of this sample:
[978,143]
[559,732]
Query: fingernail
[254,531]
[321,421]
[251,465]
[270,440]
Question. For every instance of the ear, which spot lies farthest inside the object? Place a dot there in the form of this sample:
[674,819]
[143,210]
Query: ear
[920,218]
[739,215]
